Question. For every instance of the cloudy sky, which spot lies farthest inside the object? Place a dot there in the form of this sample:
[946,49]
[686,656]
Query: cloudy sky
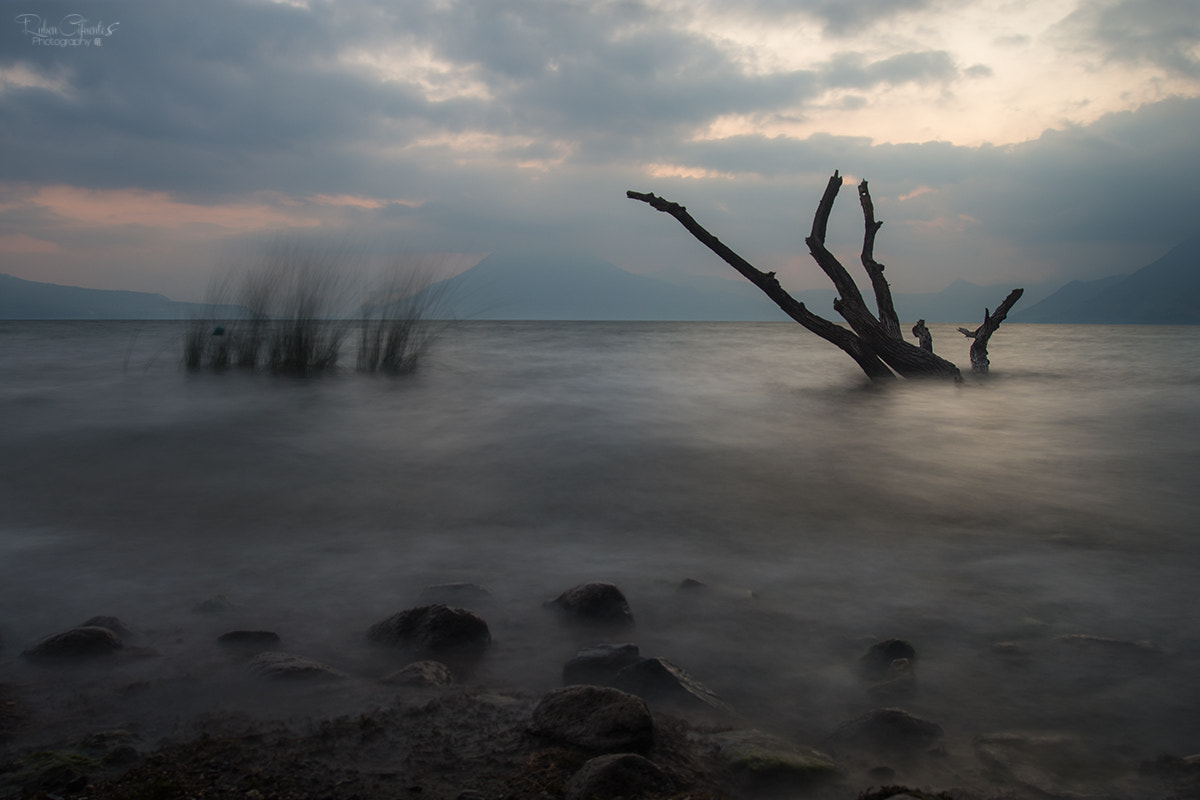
[1006,141]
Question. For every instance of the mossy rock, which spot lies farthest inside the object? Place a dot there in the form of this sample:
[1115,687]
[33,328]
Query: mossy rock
[761,756]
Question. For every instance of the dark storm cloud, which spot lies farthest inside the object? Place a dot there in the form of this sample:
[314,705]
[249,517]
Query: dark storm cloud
[1130,176]
[1160,32]
[838,18]
[185,96]
[572,102]
[851,70]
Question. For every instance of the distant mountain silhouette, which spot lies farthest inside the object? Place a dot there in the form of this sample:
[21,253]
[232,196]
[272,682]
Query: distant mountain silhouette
[22,299]
[961,302]
[580,287]
[1166,292]
[513,286]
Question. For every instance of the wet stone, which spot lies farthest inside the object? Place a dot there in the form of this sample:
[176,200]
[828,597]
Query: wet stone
[87,641]
[875,663]
[619,775]
[422,673]
[660,682]
[890,729]
[434,628]
[287,666]
[596,718]
[598,604]
[600,663]
[764,758]
[112,623]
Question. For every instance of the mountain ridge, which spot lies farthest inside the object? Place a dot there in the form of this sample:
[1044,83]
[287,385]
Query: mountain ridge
[1164,292]
[582,287]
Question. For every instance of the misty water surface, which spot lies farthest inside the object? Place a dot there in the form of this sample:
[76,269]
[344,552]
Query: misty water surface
[1056,498]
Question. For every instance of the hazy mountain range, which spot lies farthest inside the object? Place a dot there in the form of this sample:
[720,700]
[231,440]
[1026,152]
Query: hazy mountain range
[1166,292]
[564,287]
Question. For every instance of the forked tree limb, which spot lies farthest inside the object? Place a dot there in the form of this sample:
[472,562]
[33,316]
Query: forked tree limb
[883,291]
[991,321]
[875,343]
[904,357]
[848,341]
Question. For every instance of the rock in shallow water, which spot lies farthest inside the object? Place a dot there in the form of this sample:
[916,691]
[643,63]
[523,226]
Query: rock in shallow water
[600,604]
[434,628]
[887,729]
[876,661]
[112,623]
[422,673]
[659,681]
[600,663]
[597,718]
[287,666]
[762,757]
[86,641]
[619,775]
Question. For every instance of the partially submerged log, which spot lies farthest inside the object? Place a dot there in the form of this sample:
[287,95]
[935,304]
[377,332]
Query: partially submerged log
[874,341]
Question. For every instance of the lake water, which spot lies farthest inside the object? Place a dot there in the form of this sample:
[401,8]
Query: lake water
[1056,498]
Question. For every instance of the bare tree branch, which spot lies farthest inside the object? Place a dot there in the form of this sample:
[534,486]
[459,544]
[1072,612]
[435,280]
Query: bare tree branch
[883,292]
[851,344]
[907,359]
[991,321]
[875,343]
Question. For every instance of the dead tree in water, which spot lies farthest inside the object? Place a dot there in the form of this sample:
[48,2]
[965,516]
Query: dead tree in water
[991,321]
[873,341]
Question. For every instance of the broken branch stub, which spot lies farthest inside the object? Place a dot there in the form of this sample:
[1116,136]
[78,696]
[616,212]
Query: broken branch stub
[981,335]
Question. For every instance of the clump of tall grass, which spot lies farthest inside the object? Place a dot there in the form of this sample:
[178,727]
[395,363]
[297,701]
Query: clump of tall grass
[397,325]
[286,315]
[292,312]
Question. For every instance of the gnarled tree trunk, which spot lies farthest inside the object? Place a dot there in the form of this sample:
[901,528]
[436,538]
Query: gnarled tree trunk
[874,342]
[980,336]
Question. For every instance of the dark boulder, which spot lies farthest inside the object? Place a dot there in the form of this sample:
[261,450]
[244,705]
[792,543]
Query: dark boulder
[596,718]
[601,604]
[434,628]
[86,641]
[600,663]
[286,666]
[660,682]
[619,775]
[422,673]
[112,623]
[763,760]
[875,662]
[890,729]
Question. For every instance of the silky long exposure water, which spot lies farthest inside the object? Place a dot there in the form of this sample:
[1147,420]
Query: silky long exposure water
[1056,498]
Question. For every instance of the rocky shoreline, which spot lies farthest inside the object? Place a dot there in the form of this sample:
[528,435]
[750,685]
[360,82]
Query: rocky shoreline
[623,725]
